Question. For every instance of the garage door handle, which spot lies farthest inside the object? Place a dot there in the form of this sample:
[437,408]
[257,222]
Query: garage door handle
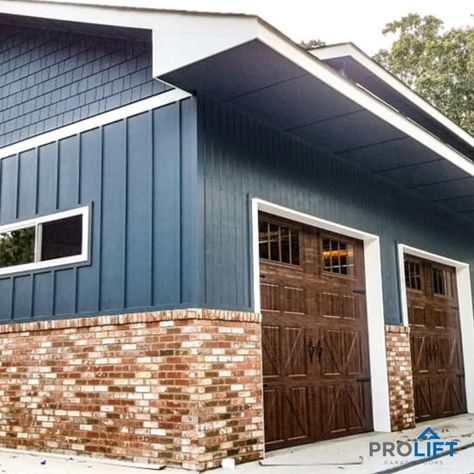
[311,350]
[364,379]
[320,350]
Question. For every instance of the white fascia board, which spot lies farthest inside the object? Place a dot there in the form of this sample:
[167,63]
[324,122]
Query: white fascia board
[333,79]
[198,37]
[96,15]
[341,50]
[179,37]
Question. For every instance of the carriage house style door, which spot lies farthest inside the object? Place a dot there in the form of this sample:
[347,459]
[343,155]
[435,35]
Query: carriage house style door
[315,348]
[436,351]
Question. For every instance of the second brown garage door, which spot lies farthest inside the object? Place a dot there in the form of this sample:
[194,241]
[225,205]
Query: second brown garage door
[437,364]
[315,348]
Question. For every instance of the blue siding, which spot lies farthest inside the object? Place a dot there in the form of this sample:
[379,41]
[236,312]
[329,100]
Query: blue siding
[138,177]
[241,158]
[53,78]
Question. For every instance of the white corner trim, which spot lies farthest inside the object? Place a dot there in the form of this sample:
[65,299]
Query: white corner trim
[466,316]
[99,120]
[374,298]
[38,265]
[402,284]
[341,50]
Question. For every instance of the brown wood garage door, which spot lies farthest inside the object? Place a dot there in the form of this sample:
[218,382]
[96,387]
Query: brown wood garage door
[315,348]
[436,351]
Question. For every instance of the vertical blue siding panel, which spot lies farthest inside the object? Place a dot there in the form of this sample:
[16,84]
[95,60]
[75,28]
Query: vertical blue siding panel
[8,190]
[114,199]
[22,289]
[64,301]
[138,290]
[166,205]
[43,294]
[88,278]
[68,172]
[190,243]
[6,286]
[27,185]
[47,178]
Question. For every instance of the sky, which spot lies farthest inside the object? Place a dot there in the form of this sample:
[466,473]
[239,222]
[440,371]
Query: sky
[333,21]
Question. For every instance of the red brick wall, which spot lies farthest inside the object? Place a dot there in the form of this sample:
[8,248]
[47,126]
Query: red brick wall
[400,379]
[179,387]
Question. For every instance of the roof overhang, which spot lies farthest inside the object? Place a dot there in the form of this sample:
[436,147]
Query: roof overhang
[354,64]
[243,61]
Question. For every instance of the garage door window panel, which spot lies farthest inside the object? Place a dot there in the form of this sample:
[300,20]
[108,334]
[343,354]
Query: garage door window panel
[338,257]
[279,243]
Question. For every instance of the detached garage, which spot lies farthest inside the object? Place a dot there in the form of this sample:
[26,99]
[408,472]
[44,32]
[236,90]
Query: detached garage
[214,243]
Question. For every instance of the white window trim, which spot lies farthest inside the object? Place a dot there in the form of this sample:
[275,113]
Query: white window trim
[35,222]
[374,298]
[466,318]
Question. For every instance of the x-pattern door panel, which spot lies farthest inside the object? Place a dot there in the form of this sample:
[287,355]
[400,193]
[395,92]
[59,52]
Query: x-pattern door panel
[436,352]
[315,349]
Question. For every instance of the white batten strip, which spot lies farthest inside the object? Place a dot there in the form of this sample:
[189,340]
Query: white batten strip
[120,113]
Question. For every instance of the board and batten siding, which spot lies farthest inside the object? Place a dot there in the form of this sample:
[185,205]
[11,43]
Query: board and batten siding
[241,158]
[139,177]
[53,78]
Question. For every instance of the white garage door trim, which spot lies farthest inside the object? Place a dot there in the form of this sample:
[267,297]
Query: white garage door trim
[463,281]
[373,282]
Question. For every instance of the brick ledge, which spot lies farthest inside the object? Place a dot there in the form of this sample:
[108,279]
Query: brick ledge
[394,328]
[132,318]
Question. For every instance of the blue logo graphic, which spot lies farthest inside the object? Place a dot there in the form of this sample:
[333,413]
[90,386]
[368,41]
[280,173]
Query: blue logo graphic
[427,444]
[432,444]
[428,433]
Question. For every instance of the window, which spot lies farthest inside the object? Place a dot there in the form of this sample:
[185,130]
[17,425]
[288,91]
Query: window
[441,281]
[279,243]
[56,239]
[338,257]
[413,275]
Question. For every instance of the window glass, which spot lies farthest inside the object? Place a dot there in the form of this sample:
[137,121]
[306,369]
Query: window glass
[44,239]
[278,243]
[338,257]
[263,239]
[17,247]
[413,275]
[274,236]
[295,247]
[61,238]
[441,281]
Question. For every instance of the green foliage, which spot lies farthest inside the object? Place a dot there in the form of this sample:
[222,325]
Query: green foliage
[17,247]
[437,63]
[312,44]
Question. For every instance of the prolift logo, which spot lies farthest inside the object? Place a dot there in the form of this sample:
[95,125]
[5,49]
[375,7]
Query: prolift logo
[427,445]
